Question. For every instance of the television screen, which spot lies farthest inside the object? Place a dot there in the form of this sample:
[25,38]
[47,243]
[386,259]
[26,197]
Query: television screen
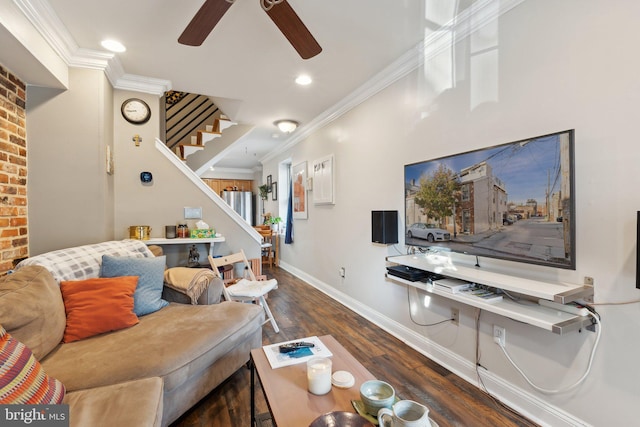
[512,201]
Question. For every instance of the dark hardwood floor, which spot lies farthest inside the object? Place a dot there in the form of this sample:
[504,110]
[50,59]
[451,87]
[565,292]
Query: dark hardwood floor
[301,311]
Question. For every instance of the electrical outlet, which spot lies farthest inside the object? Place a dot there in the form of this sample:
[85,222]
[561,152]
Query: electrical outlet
[588,281]
[499,335]
[342,272]
[455,315]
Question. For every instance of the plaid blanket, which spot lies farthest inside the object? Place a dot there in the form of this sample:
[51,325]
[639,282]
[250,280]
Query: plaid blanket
[83,262]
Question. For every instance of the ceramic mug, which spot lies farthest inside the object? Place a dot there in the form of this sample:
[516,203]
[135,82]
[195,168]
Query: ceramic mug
[376,394]
[405,413]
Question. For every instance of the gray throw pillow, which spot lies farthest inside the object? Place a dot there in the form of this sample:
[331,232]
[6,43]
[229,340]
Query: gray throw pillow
[148,295]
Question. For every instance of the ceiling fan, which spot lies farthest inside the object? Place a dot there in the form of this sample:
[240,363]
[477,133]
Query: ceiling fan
[280,12]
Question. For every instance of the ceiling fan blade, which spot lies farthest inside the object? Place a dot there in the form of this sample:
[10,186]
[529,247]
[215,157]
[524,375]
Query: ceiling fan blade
[290,24]
[203,22]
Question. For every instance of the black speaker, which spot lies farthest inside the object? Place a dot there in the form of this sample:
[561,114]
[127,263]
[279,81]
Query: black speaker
[384,226]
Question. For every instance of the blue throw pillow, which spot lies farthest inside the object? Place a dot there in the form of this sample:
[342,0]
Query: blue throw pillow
[148,295]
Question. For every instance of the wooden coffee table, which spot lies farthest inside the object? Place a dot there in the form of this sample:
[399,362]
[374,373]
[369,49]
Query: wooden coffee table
[285,389]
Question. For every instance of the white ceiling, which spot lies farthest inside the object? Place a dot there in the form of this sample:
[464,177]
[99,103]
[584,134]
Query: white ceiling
[246,64]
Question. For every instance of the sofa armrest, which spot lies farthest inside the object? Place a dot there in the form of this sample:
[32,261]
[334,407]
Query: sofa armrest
[138,402]
[211,295]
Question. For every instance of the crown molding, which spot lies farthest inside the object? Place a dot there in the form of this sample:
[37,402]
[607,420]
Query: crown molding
[142,84]
[205,168]
[239,171]
[47,23]
[470,20]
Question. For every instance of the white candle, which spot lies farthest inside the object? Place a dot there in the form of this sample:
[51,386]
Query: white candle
[319,375]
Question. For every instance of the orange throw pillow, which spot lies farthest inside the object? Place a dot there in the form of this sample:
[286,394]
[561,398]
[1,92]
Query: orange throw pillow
[99,305]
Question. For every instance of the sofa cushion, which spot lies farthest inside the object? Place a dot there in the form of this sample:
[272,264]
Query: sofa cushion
[98,305]
[148,295]
[22,379]
[31,309]
[173,343]
[132,403]
[83,262]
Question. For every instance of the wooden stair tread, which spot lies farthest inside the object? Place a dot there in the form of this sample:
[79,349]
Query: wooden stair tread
[210,136]
[221,123]
[185,150]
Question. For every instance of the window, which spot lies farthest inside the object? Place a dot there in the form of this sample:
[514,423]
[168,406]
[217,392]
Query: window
[465,193]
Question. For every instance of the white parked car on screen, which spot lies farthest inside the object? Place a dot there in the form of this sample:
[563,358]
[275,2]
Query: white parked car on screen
[429,232]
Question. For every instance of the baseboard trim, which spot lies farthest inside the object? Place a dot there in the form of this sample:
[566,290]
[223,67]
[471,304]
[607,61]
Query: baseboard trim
[527,404]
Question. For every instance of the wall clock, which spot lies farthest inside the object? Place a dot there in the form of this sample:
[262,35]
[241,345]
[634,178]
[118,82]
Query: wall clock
[136,111]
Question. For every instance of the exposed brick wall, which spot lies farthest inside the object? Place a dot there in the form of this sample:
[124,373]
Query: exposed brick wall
[13,170]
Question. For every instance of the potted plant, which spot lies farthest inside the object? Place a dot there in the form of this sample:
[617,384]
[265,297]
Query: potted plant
[275,223]
[264,191]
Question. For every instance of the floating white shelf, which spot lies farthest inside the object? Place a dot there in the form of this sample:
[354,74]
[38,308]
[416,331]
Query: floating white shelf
[440,264]
[526,311]
[211,241]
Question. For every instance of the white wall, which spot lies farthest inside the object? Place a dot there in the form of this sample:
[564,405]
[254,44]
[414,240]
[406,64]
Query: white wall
[545,66]
[70,194]
[162,202]
[73,201]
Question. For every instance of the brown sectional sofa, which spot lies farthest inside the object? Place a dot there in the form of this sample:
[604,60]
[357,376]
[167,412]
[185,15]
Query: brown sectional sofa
[145,375]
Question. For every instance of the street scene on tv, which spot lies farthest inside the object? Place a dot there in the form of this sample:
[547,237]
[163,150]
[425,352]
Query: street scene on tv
[512,201]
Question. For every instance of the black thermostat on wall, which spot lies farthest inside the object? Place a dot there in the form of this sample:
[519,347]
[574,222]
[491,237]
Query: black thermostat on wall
[146,177]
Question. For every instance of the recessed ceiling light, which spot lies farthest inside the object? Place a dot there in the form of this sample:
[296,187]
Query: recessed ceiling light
[303,80]
[113,46]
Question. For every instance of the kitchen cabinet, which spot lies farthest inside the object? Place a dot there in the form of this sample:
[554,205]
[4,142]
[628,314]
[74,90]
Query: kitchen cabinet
[218,185]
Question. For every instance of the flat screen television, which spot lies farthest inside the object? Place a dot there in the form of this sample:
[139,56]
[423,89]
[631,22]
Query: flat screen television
[512,201]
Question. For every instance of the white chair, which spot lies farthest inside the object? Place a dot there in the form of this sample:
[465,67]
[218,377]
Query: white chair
[246,289]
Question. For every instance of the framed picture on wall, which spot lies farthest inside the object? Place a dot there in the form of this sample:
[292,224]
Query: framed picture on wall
[324,185]
[299,174]
[269,182]
[274,191]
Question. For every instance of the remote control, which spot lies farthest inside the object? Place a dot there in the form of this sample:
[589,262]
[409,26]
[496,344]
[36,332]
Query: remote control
[572,307]
[288,348]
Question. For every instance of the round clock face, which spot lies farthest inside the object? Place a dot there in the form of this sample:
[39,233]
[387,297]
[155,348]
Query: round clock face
[135,111]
